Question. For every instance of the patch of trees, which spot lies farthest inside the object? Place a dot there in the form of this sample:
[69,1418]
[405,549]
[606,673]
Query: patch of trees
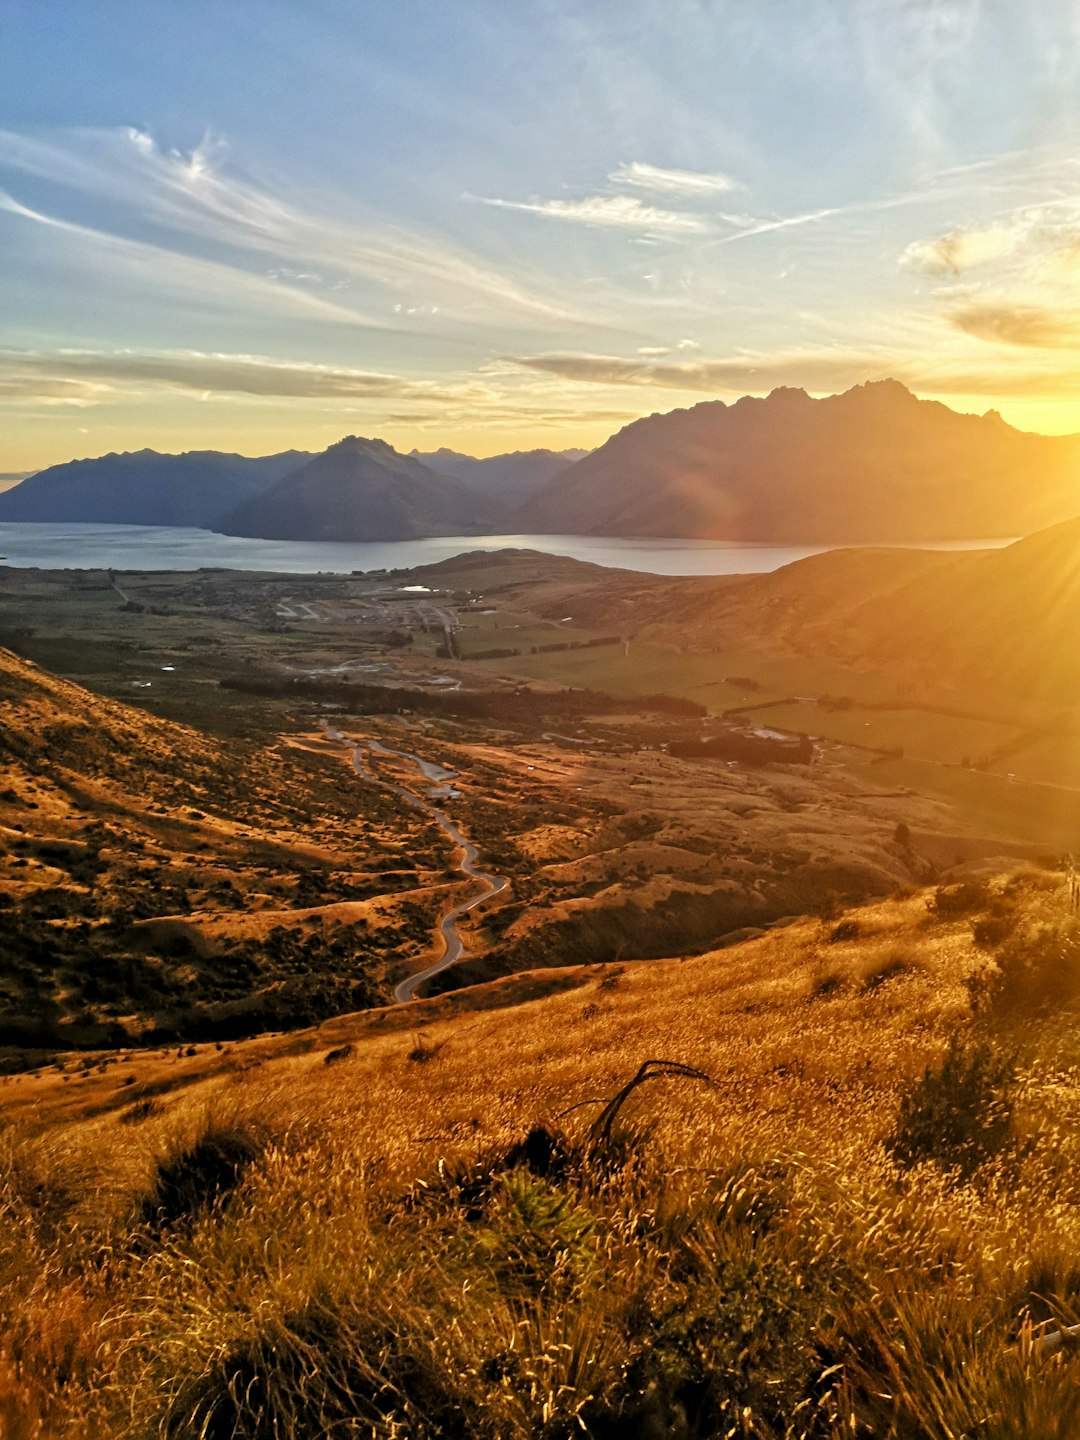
[504,706]
[746,749]
[575,644]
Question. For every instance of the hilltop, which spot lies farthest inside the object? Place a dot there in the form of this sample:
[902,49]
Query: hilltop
[358,490]
[871,465]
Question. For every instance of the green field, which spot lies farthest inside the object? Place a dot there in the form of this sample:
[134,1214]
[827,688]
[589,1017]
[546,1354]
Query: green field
[699,675]
[922,734]
[1040,814]
[1054,760]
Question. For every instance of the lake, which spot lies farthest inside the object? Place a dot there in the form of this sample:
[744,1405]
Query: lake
[152,547]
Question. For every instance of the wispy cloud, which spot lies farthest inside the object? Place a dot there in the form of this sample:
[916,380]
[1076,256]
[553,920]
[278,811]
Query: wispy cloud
[671,182]
[815,369]
[1043,234]
[620,212]
[820,370]
[1019,324]
[196,194]
[210,280]
[960,250]
[91,376]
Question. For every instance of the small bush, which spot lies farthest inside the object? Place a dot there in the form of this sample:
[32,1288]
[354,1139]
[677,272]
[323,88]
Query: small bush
[893,963]
[323,1371]
[537,1237]
[994,928]
[1039,971]
[846,930]
[198,1176]
[959,899]
[827,983]
[960,1115]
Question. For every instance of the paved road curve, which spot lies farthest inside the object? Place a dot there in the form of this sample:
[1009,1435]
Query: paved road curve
[453,944]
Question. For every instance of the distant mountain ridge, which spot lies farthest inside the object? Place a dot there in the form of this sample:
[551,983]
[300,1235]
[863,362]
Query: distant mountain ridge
[359,489]
[874,464]
[505,481]
[144,487]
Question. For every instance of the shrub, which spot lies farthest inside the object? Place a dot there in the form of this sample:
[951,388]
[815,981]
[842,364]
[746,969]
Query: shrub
[322,1371]
[1039,971]
[992,929]
[881,968]
[199,1175]
[959,899]
[846,930]
[960,1115]
[538,1237]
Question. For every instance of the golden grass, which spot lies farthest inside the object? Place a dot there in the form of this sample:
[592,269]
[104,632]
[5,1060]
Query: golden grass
[742,1258]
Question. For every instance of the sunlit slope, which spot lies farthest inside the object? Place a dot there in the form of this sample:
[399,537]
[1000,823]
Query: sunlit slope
[998,619]
[418,1219]
[156,882]
[872,465]
[998,622]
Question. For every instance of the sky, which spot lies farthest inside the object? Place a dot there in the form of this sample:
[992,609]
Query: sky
[494,225]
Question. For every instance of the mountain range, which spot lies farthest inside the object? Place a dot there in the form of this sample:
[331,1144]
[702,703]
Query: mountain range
[359,490]
[505,481]
[872,465]
[146,488]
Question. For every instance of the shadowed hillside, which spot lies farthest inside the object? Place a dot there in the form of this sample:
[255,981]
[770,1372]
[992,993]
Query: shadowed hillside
[358,490]
[157,884]
[505,481]
[145,488]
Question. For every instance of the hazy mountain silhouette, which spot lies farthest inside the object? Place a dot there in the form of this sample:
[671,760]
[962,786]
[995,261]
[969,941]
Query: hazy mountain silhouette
[146,488]
[359,490]
[505,481]
[872,464]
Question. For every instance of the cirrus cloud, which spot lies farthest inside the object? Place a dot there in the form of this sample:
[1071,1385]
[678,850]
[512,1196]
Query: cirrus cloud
[91,376]
[674,182]
[620,212]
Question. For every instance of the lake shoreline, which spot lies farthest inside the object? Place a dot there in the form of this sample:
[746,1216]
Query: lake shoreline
[72,546]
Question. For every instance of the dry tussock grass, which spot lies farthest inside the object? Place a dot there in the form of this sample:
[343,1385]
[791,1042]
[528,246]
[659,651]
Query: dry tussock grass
[738,1258]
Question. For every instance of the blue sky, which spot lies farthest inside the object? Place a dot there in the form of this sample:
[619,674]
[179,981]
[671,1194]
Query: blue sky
[496,225]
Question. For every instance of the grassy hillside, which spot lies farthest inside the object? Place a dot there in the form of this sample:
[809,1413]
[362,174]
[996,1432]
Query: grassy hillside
[852,1218]
[156,883]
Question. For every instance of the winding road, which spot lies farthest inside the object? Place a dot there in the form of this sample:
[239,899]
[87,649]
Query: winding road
[453,944]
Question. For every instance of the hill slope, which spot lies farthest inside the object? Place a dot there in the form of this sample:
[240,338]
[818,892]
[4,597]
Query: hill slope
[145,488]
[358,490]
[872,465]
[157,883]
[439,1233]
[999,621]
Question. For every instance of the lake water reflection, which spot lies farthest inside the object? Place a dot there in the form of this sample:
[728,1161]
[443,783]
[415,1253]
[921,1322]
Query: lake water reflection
[144,547]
